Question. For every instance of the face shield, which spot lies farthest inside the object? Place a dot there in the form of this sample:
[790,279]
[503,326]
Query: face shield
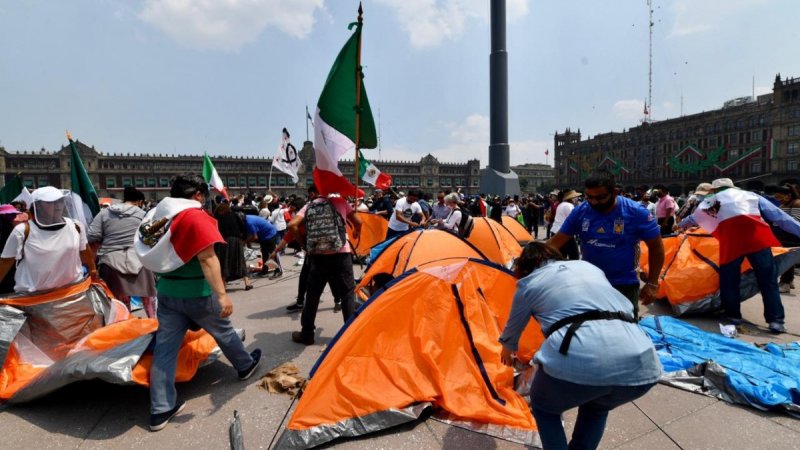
[48,207]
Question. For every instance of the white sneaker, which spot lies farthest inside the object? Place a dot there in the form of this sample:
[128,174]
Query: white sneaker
[299,262]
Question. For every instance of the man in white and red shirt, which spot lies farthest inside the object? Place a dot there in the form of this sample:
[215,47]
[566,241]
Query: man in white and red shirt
[329,266]
[736,218]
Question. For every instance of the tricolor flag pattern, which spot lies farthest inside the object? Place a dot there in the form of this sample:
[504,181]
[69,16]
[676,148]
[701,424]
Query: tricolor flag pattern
[335,120]
[81,183]
[212,177]
[154,241]
[370,174]
[733,217]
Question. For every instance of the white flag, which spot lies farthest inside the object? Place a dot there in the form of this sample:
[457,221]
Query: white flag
[286,160]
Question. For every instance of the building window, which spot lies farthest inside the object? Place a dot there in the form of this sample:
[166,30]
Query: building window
[792,148]
[251,181]
[151,182]
[126,181]
[43,181]
[111,182]
[163,182]
[794,131]
[733,153]
[232,181]
[281,181]
[262,181]
[755,167]
[791,164]
[242,181]
[430,182]
[139,182]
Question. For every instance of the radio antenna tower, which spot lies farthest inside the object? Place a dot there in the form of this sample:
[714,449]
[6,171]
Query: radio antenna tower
[648,108]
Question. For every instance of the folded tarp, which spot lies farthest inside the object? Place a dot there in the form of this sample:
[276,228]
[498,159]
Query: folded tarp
[737,372]
[79,332]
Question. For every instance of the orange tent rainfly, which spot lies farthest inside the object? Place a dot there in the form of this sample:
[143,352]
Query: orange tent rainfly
[690,277]
[79,332]
[410,250]
[373,231]
[520,233]
[428,339]
[494,241]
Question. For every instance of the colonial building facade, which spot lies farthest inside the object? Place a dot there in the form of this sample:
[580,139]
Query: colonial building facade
[755,142]
[111,172]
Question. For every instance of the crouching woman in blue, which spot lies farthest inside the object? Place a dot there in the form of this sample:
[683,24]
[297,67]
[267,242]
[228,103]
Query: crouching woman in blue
[595,356]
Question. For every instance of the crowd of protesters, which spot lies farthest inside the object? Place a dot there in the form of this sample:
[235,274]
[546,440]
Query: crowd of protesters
[589,244]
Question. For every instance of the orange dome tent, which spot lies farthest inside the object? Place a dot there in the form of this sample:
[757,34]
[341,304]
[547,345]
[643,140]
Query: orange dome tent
[690,276]
[373,231]
[428,339]
[410,250]
[494,241]
[520,233]
[79,332]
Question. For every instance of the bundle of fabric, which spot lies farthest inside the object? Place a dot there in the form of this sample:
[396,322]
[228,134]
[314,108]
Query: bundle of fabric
[495,241]
[79,332]
[737,372]
[373,232]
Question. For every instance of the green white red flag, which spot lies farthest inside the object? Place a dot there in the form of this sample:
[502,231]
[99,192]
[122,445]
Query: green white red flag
[212,177]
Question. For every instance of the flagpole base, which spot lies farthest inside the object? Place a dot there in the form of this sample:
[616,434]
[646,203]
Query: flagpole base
[498,183]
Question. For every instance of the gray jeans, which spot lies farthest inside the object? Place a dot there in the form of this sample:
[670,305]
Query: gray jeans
[174,317]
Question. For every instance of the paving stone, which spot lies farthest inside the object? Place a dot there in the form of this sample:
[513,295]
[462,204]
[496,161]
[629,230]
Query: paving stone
[665,404]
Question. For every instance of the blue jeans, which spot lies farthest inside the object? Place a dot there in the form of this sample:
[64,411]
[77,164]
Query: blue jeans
[767,277]
[174,317]
[550,397]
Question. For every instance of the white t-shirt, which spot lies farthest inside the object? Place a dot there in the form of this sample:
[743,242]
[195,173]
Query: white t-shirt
[278,219]
[52,258]
[512,210]
[562,212]
[452,220]
[406,210]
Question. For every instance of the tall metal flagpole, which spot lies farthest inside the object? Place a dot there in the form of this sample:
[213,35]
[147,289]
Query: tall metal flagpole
[307,116]
[358,99]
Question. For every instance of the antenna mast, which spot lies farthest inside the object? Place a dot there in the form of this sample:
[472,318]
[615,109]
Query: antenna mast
[649,106]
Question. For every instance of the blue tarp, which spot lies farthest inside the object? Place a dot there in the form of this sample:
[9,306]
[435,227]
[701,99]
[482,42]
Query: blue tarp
[736,371]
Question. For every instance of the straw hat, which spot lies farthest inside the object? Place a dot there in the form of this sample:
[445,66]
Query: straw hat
[570,194]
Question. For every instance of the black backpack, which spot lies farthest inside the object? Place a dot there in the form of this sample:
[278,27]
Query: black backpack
[325,228]
[466,224]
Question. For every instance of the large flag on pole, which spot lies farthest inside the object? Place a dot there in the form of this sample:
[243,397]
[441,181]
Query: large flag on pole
[81,184]
[212,177]
[335,120]
[286,159]
[370,174]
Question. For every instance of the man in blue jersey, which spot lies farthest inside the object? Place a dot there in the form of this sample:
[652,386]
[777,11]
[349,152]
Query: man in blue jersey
[610,228]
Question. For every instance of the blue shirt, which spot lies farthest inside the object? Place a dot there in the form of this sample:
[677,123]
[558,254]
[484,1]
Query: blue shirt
[602,352]
[610,240]
[260,227]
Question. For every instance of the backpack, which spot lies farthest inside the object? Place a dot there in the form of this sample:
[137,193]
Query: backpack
[466,224]
[325,228]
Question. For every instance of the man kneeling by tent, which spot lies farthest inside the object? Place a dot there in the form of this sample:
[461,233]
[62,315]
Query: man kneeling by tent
[569,297]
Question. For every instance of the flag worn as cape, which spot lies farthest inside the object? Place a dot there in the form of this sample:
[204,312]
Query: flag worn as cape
[370,174]
[212,177]
[286,159]
[11,190]
[81,183]
[173,233]
[733,217]
[335,121]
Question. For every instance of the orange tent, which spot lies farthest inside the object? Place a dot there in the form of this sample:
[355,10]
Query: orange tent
[410,250]
[430,338]
[373,231]
[690,276]
[520,233]
[494,241]
[79,332]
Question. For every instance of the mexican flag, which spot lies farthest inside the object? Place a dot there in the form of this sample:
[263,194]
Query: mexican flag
[12,190]
[335,121]
[212,177]
[80,182]
[370,174]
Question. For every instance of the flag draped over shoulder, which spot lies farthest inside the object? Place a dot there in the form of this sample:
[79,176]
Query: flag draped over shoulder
[11,190]
[335,121]
[212,177]
[80,181]
[371,174]
[286,159]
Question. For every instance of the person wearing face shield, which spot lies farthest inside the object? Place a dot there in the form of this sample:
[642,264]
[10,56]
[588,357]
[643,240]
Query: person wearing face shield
[610,228]
[50,249]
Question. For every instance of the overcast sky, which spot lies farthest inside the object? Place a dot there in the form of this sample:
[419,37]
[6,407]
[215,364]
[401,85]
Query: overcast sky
[224,76]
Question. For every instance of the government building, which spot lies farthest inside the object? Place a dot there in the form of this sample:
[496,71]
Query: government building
[753,141]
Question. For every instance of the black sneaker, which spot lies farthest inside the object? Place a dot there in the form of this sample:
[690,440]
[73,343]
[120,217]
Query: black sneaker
[297,336]
[337,307]
[276,275]
[247,373]
[294,307]
[160,420]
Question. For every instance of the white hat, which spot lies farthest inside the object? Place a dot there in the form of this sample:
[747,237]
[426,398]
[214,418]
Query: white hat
[47,194]
[268,198]
[703,189]
[722,183]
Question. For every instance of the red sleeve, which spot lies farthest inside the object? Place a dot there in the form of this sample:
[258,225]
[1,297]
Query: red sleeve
[192,232]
